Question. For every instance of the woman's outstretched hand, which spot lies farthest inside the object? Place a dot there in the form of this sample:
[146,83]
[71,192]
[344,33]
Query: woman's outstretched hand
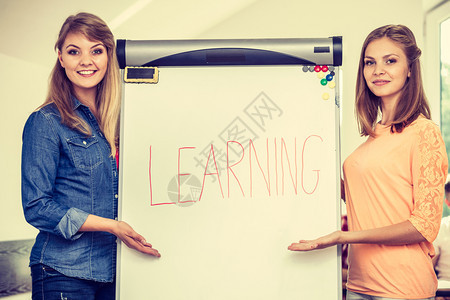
[134,240]
[326,241]
[121,230]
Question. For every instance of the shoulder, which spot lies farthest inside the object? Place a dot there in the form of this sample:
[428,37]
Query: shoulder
[49,110]
[42,120]
[44,113]
[422,123]
[425,130]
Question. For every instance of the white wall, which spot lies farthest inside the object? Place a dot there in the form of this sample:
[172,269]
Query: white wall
[23,87]
[23,84]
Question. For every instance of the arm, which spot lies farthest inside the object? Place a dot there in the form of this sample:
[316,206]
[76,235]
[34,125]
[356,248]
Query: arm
[429,172]
[398,234]
[121,230]
[40,159]
[429,168]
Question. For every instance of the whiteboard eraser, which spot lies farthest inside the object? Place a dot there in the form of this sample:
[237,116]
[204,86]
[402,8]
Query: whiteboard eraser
[141,75]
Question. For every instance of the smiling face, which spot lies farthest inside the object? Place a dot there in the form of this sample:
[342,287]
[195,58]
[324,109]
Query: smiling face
[85,62]
[386,68]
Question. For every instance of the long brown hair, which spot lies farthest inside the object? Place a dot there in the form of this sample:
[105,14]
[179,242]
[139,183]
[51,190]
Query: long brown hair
[108,95]
[412,101]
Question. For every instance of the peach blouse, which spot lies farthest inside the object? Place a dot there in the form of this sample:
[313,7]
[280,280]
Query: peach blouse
[389,179]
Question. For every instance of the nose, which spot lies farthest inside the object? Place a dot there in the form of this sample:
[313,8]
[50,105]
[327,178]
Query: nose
[85,59]
[378,69]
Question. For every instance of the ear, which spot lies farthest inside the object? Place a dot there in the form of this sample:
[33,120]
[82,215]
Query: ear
[447,202]
[60,59]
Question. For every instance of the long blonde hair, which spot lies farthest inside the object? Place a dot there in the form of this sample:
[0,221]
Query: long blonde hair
[412,101]
[108,95]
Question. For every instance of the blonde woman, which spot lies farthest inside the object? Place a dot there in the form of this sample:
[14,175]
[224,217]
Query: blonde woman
[394,181]
[69,169]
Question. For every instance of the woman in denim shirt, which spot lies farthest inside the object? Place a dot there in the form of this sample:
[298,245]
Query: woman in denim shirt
[69,169]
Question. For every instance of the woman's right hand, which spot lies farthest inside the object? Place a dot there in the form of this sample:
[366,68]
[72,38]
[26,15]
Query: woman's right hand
[133,240]
[326,241]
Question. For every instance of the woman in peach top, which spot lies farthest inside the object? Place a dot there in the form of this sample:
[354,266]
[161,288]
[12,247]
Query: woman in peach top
[394,181]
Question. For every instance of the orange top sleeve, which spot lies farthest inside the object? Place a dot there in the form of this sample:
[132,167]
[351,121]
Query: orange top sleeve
[429,171]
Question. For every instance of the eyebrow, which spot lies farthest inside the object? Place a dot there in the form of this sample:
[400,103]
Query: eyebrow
[384,57]
[75,46]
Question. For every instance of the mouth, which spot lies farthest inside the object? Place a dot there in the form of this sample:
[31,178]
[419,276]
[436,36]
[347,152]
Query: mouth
[86,72]
[380,82]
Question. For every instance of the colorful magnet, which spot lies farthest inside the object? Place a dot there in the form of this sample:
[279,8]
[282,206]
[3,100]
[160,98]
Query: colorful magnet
[331,84]
[324,81]
[317,68]
[325,96]
[329,77]
[305,68]
[320,75]
[324,68]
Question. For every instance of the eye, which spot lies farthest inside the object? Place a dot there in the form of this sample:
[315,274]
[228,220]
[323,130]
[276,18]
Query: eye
[368,63]
[97,51]
[72,52]
[391,61]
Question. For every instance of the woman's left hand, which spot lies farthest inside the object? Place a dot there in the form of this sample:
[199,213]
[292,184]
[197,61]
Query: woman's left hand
[134,240]
[121,230]
[326,241]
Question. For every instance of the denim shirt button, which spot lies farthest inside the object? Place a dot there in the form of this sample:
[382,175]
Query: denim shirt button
[116,196]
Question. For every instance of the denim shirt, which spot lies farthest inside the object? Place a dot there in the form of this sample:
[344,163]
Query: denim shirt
[66,176]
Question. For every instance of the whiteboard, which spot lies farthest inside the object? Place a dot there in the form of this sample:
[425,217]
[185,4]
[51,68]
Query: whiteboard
[221,169]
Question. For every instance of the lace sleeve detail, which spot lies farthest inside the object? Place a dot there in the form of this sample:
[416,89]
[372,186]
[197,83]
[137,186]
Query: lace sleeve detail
[429,170]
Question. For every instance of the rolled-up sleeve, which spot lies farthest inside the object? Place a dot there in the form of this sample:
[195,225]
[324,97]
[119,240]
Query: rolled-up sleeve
[429,170]
[40,158]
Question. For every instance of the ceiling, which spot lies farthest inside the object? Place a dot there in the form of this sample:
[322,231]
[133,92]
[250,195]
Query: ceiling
[29,28]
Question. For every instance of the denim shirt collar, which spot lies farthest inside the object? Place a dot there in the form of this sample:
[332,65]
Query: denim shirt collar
[76,103]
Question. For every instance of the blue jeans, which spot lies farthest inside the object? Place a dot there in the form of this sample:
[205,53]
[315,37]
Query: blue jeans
[357,296]
[49,284]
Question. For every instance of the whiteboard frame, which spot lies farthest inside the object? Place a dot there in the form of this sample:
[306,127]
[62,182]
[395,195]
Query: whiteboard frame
[337,192]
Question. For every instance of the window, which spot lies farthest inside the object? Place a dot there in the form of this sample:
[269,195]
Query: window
[445,81]
[437,70]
